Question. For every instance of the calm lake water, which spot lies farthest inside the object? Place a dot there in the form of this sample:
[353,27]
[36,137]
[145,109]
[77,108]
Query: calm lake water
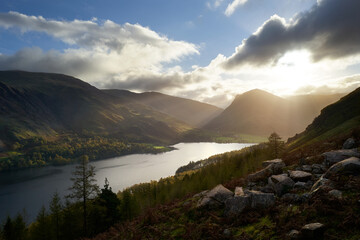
[29,189]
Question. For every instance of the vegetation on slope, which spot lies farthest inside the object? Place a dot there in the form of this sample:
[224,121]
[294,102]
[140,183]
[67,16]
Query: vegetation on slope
[338,120]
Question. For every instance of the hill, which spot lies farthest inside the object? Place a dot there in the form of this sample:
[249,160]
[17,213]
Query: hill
[34,104]
[258,112]
[194,113]
[336,120]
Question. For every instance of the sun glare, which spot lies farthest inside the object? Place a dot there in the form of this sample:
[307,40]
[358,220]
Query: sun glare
[293,71]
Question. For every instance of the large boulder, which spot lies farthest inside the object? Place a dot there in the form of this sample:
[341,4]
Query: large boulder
[281,183]
[318,168]
[349,143]
[237,204]
[338,155]
[261,200]
[272,167]
[215,197]
[274,161]
[313,231]
[350,166]
[300,176]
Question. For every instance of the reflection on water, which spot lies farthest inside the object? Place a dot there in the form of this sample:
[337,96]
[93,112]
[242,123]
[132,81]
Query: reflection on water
[31,188]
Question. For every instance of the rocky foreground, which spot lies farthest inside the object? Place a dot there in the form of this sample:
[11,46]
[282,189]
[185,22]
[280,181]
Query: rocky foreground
[318,198]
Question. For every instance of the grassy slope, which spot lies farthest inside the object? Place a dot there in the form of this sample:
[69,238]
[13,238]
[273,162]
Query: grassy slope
[340,118]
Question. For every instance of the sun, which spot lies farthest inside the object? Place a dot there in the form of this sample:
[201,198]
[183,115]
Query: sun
[293,71]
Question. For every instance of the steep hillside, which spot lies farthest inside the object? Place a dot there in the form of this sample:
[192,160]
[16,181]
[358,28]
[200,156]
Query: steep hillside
[189,111]
[259,113]
[338,119]
[41,103]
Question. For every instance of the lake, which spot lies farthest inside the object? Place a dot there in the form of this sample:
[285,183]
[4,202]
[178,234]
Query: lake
[29,189]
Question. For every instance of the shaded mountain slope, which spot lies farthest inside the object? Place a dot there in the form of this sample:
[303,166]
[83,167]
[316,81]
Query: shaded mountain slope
[339,118]
[259,113]
[43,103]
[189,111]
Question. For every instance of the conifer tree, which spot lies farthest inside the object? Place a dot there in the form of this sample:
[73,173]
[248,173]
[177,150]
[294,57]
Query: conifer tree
[55,209]
[276,145]
[84,186]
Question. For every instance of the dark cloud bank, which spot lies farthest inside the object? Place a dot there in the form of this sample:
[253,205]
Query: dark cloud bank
[329,30]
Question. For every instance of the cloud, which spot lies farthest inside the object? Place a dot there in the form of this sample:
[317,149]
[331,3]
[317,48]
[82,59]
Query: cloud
[233,6]
[150,81]
[215,4]
[341,85]
[97,50]
[329,30]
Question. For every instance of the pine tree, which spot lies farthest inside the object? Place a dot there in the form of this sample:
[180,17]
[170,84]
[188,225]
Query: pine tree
[55,209]
[84,187]
[276,145]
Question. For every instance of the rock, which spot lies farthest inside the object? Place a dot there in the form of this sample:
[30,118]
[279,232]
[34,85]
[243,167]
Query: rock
[300,185]
[318,168]
[313,231]
[280,184]
[306,168]
[339,155]
[215,197]
[227,232]
[300,176]
[349,143]
[201,194]
[261,175]
[294,234]
[274,161]
[239,191]
[274,167]
[350,166]
[321,182]
[291,198]
[237,204]
[261,200]
[336,193]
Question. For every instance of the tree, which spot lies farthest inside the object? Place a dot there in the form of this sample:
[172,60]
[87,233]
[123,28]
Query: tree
[55,209]
[275,144]
[40,230]
[84,187]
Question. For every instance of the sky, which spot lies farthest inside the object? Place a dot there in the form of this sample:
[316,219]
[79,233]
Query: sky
[207,50]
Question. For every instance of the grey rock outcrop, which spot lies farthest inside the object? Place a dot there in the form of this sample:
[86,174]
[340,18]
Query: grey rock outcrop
[318,168]
[281,183]
[273,167]
[237,204]
[336,156]
[336,193]
[294,234]
[349,143]
[215,197]
[313,231]
[260,199]
[248,199]
[350,166]
[300,176]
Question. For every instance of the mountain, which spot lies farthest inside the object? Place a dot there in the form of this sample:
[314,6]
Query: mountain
[258,112]
[194,113]
[34,104]
[338,119]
